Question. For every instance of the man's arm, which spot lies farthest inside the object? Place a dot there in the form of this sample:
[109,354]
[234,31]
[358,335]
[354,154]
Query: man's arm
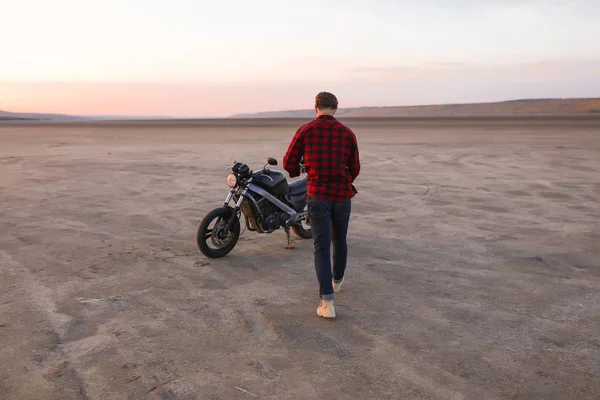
[294,154]
[353,162]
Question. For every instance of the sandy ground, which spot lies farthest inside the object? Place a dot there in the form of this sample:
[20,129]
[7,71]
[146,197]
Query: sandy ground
[474,268]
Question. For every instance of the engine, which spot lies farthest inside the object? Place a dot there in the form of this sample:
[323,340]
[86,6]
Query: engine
[272,217]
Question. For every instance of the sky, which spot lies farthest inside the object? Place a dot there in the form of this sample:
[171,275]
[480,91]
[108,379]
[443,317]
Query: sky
[210,58]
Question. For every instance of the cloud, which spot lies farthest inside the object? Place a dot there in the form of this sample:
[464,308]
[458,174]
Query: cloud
[543,70]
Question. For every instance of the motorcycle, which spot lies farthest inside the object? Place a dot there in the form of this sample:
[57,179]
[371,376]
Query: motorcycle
[268,203]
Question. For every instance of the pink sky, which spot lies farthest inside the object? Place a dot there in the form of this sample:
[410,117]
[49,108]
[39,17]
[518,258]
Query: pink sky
[426,84]
[209,58]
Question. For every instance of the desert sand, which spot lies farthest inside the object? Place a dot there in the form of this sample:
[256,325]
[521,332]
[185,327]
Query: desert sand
[474,265]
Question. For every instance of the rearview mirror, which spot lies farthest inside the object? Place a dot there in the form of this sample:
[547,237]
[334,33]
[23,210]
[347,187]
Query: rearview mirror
[271,161]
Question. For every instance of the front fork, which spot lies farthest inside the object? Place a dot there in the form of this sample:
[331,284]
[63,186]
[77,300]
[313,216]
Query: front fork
[237,206]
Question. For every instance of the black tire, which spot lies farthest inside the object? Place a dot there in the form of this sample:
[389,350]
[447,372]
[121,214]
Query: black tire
[301,231]
[204,234]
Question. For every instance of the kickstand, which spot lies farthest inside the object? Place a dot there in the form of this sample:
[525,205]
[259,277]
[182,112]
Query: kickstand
[289,244]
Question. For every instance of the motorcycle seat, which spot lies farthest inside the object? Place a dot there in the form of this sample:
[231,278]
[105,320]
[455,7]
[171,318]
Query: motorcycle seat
[298,187]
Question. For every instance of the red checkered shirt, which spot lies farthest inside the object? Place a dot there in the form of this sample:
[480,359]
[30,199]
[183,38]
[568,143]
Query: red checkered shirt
[330,152]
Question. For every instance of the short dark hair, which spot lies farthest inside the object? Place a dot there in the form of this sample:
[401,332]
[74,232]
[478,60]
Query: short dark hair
[326,100]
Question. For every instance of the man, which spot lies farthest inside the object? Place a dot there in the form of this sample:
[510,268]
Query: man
[330,153]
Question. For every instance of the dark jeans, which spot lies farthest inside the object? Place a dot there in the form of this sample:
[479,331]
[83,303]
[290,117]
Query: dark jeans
[329,224]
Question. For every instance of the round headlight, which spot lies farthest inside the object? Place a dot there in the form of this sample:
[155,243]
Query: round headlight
[232,180]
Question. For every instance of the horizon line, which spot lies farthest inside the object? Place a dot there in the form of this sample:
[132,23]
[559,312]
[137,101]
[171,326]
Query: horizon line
[417,105]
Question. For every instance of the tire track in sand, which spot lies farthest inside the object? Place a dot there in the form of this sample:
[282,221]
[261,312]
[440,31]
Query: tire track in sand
[41,299]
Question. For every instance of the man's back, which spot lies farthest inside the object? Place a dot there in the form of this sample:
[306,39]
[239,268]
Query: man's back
[330,152]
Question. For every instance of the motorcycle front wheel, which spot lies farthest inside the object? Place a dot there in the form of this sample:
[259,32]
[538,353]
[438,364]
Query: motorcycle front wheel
[223,242]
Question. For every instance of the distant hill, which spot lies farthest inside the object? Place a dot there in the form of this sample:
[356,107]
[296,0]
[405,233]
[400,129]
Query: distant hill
[512,107]
[503,108]
[10,116]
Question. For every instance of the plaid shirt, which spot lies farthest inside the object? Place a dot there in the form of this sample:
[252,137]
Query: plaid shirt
[330,153]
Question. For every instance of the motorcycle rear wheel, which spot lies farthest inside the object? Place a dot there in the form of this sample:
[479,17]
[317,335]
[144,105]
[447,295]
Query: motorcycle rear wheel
[204,234]
[301,231]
